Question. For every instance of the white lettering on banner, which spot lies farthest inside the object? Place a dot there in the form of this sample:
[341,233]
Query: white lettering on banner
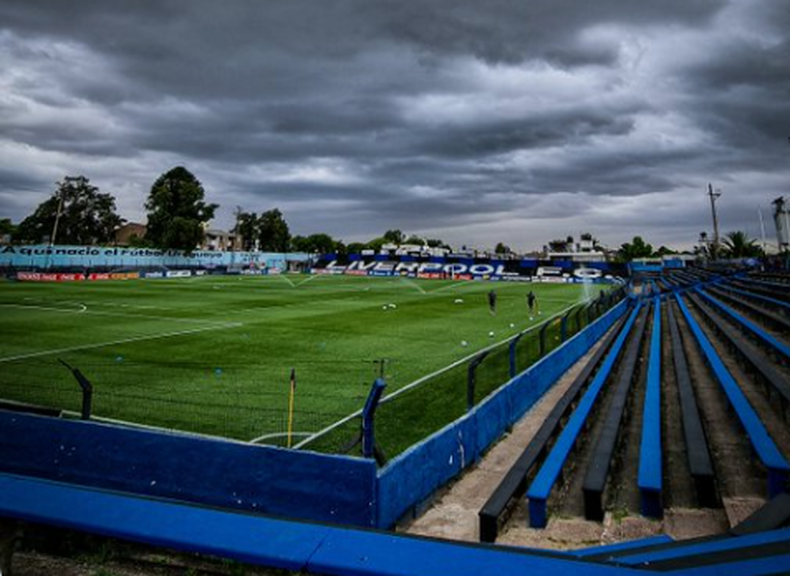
[548,271]
[430,267]
[456,268]
[587,273]
[407,267]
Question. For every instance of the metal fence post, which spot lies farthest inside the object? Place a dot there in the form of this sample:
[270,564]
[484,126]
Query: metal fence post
[87,391]
[471,380]
[368,418]
[542,338]
[512,351]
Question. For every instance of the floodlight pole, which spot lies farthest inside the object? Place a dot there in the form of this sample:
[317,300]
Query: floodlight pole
[713,197]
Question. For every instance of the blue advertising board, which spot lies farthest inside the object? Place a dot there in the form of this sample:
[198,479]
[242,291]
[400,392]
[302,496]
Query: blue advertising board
[42,256]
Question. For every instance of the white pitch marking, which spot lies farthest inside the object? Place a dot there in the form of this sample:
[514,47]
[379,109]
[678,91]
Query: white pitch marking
[307,280]
[399,391]
[413,284]
[122,341]
[84,310]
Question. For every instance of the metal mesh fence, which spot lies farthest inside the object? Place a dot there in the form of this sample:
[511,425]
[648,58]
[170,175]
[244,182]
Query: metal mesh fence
[250,401]
[409,416]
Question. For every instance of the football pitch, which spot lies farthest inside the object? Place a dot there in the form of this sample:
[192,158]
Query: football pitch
[214,354]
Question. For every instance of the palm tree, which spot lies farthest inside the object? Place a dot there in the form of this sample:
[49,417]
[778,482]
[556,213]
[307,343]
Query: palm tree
[738,245]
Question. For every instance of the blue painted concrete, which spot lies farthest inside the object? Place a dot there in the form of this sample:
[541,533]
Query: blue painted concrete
[649,476]
[546,477]
[217,473]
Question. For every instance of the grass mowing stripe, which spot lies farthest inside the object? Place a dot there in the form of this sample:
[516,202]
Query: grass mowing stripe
[116,342]
[85,310]
[427,377]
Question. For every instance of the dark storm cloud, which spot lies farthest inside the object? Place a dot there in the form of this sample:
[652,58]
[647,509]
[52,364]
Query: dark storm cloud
[484,121]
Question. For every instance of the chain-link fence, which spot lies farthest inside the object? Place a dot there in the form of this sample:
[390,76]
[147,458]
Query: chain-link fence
[250,402]
[418,410]
[240,402]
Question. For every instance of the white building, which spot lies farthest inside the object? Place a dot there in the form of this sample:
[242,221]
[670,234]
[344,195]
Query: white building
[782,221]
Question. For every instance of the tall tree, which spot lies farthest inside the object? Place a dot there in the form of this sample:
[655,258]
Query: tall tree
[247,228]
[394,236]
[83,215]
[501,248]
[273,232]
[738,245]
[637,248]
[177,212]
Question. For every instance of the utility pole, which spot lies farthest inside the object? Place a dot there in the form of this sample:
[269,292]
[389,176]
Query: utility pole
[713,197]
[57,218]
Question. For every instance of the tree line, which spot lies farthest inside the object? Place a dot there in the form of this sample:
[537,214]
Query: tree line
[735,245]
[78,213]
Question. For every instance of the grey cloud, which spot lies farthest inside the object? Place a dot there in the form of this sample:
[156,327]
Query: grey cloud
[529,110]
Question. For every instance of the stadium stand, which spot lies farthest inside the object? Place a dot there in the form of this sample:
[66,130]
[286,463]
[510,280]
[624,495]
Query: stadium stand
[650,480]
[698,454]
[514,483]
[763,444]
[539,490]
[605,443]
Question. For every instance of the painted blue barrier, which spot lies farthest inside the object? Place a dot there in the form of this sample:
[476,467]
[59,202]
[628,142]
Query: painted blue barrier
[256,539]
[649,477]
[623,546]
[780,347]
[65,256]
[538,492]
[226,474]
[767,299]
[763,444]
[758,566]
[685,550]
[414,475]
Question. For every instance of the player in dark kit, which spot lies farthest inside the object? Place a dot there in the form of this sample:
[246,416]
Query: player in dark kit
[532,302]
[492,302]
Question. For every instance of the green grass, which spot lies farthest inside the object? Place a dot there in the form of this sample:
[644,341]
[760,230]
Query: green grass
[213,354]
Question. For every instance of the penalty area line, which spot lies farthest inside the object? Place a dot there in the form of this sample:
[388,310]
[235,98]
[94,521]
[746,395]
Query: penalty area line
[121,341]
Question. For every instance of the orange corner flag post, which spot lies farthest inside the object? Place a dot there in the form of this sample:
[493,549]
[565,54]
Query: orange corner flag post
[291,406]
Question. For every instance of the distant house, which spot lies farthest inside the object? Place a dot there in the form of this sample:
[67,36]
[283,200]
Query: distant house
[128,233]
[220,240]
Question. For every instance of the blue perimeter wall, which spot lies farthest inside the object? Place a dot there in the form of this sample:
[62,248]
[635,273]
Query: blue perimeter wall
[270,480]
[417,473]
[261,479]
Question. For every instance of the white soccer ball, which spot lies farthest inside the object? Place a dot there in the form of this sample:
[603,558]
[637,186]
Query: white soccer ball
[512,325]
[491,334]
[384,307]
[464,343]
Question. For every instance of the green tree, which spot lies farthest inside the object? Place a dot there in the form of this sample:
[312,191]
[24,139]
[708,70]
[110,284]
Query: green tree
[7,228]
[273,232]
[247,228]
[501,249]
[738,245]
[376,243]
[664,251]
[635,249]
[355,247]
[437,243]
[316,243]
[177,212]
[394,237]
[86,215]
[414,239]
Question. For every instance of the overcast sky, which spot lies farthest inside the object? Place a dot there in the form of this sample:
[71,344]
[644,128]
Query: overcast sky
[473,121]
